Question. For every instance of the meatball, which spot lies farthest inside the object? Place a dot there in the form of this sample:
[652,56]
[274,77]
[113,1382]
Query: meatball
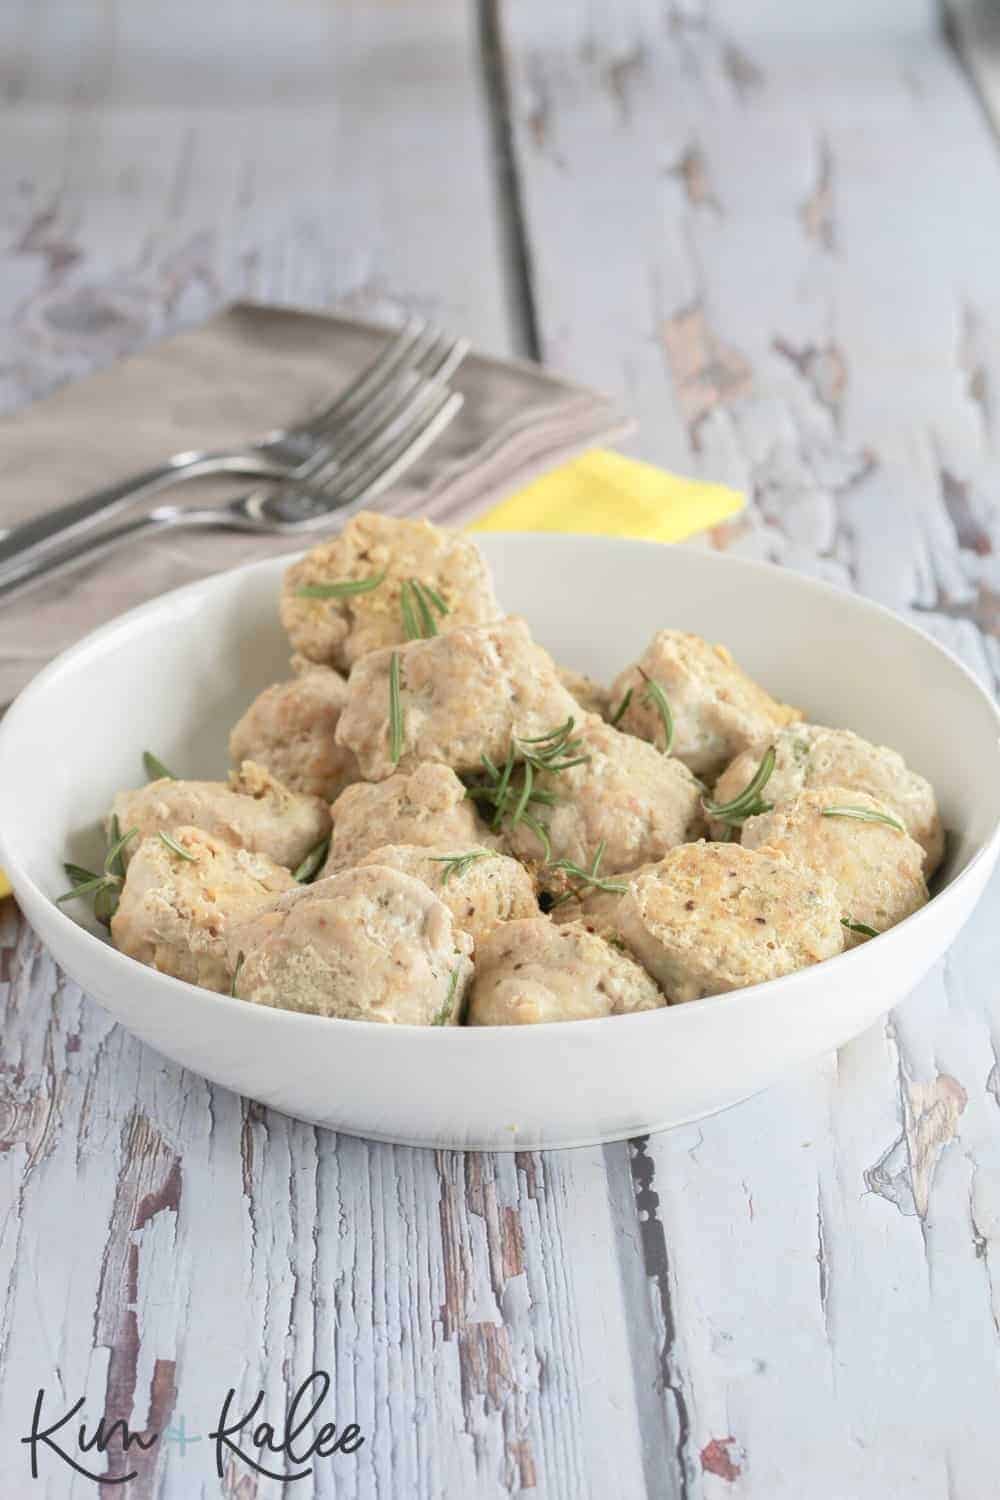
[175,908]
[480,887]
[717,709]
[810,755]
[254,811]
[290,729]
[463,695]
[532,971]
[370,944]
[626,795]
[717,917]
[340,630]
[592,697]
[428,808]
[877,870]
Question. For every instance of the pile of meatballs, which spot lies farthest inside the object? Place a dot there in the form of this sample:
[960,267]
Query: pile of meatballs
[432,823]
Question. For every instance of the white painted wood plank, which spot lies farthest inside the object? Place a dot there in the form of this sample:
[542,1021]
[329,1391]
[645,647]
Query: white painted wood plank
[757,225]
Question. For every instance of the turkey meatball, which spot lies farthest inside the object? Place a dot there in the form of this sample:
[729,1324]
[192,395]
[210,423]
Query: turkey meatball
[533,971]
[370,944]
[878,870]
[175,909]
[428,808]
[480,887]
[254,811]
[590,695]
[717,709]
[716,917]
[290,729]
[462,696]
[626,795]
[810,755]
[339,630]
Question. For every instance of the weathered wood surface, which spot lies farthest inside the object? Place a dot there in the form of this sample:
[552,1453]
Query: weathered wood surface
[804,299]
[782,248]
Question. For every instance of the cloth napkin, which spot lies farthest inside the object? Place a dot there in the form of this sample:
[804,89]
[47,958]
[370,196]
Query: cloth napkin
[604,493]
[253,368]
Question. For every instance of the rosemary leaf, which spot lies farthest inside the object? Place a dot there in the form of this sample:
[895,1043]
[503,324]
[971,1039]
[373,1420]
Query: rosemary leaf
[748,804]
[114,863]
[84,888]
[106,902]
[444,1014]
[621,710]
[176,848]
[427,621]
[540,831]
[656,698]
[240,960]
[520,806]
[864,815]
[79,875]
[396,723]
[313,862]
[345,589]
[864,930]
[410,626]
[155,769]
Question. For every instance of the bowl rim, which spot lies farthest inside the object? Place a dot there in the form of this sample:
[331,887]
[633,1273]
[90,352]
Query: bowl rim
[799,979]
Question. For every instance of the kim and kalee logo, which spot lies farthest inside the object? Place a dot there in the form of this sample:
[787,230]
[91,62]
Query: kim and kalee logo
[65,1435]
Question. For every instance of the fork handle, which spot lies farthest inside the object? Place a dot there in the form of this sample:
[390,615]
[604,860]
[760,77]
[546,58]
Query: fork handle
[32,538]
[28,570]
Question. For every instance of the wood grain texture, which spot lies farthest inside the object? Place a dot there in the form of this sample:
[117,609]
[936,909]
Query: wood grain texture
[800,301]
[763,238]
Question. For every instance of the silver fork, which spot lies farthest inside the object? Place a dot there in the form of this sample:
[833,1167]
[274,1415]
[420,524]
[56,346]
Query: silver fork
[302,452]
[281,510]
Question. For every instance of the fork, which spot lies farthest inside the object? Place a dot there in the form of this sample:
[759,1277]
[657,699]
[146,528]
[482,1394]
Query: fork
[301,452]
[280,510]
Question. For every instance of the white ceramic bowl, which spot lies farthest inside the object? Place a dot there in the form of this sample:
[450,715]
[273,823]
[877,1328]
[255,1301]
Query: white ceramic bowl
[173,676]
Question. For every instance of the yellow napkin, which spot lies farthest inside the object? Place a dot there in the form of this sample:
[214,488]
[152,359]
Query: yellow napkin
[606,494]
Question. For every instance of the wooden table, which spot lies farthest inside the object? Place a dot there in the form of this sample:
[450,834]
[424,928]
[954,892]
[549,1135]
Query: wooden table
[775,230]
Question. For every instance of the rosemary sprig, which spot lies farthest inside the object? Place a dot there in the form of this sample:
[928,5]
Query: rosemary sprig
[313,862]
[622,709]
[346,588]
[749,803]
[176,848]
[155,769]
[396,722]
[457,864]
[591,877]
[655,697]
[555,751]
[864,930]
[240,961]
[105,886]
[444,1014]
[864,815]
[511,790]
